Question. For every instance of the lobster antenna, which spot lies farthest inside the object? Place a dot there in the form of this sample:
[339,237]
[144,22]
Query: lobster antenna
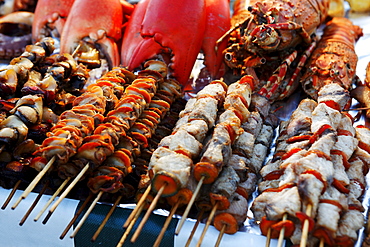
[56,193]
[167,223]
[34,182]
[82,221]
[65,193]
[70,224]
[11,194]
[101,226]
[138,205]
[208,223]
[147,214]
[188,207]
[42,191]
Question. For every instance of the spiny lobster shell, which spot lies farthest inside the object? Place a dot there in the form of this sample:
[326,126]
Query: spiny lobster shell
[334,60]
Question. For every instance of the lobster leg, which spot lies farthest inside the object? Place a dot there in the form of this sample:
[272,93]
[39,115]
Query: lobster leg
[275,80]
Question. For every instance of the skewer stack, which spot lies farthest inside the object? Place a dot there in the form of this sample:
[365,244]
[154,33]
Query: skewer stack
[312,162]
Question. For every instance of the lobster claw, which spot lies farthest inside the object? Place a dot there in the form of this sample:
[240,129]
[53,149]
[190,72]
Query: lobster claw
[96,22]
[49,18]
[178,29]
[218,23]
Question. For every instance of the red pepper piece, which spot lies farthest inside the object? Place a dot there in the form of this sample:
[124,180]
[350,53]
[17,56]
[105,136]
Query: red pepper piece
[359,184]
[357,207]
[274,174]
[341,132]
[339,185]
[303,217]
[290,153]
[298,138]
[319,154]
[345,162]
[281,188]
[242,191]
[332,202]
[288,225]
[344,241]
[364,146]
[318,176]
[332,104]
[318,133]
[323,233]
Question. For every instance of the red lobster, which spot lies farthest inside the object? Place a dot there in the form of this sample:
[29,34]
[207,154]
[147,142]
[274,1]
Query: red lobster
[177,30]
[334,60]
[269,34]
[98,23]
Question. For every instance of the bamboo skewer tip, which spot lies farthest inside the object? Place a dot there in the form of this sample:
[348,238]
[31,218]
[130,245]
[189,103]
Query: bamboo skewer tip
[87,213]
[188,207]
[11,194]
[147,214]
[208,223]
[34,182]
[65,193]
[130,226]
[166,224]
[138,205]
[106,218]
[220,235]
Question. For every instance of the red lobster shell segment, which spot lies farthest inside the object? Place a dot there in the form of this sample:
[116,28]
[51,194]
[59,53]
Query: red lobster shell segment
[334,60]
[272,27]
[177,31]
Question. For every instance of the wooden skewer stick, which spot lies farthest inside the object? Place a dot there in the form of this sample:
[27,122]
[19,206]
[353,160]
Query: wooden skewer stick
[268,238]
[131,225]
[10,196]
[208,223]
[37,199]
[166,224]
[87,213]
[70,224]
[199,218]
[96,234]
[282,232]
[138,205]
[220,235]
[76,50]
[305,227]
[65,193]
[147,214]
[34,182]
[188,207]
[322,243]
[56,193]
[2,148]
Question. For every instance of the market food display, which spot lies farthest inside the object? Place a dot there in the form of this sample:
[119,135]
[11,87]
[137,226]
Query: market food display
[106,111]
